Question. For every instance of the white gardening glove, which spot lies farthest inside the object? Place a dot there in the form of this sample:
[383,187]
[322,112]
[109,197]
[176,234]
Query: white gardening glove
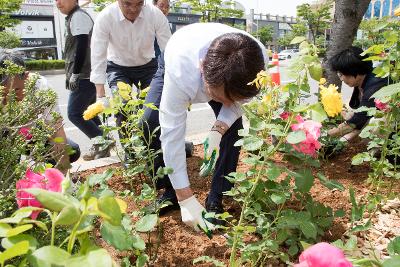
[193,215]
[73,82]
[211,152]
[104,100]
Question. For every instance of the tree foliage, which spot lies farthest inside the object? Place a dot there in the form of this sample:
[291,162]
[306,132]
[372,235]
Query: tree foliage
[6,8]
[101,4]
[213,10]
[265,34]
[9,40]
[298,29]
[317,18]
[371,31]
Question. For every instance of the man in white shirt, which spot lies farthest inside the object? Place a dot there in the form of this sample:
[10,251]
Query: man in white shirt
[123,45]
[204,62]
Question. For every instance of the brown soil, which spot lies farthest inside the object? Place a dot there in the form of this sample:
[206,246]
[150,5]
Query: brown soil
[180,245]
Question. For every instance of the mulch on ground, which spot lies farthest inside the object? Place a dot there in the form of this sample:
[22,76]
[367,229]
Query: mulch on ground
[180,245]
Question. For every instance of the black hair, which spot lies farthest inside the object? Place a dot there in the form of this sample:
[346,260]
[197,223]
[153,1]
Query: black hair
[9,56]
[350,62]
[156,1]
[233,60]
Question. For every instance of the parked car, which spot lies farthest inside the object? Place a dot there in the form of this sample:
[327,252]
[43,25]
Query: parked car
[288,54]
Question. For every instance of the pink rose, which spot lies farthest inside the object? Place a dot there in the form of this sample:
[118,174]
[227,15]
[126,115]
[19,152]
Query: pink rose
[51,181]
[312,130]
[25,132]
[381,106]
[323,255]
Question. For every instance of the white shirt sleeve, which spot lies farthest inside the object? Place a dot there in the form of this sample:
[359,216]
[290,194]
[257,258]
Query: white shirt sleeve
[173,113]
[163,32]
[230,114]
[99,45]
[43,84]
[81,23]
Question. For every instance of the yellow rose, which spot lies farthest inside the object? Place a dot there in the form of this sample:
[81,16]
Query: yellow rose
[331,100]
[124,90]
[322,81]
[93,110]
[397,12]
[262,80]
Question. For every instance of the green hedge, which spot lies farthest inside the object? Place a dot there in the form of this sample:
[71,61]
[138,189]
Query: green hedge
[43,64]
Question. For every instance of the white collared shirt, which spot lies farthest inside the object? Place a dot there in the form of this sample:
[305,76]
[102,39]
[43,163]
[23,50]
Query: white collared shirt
[125,43]
[183,85]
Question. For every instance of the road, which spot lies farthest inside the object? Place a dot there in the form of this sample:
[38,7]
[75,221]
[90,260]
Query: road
[199,120]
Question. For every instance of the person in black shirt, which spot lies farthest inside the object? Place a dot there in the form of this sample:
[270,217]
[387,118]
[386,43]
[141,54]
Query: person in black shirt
[355,72]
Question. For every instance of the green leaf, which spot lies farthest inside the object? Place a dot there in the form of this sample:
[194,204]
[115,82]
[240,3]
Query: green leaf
[278,198]
[16,250]
[4,229]
[296,137]
[102,178]
[387,91]
[48,256]
[141,260]
[318,113]
[116,236]
[340,213]
[293,249]
[50,200]
[147,223]
[109,206]
[392,262]
[301,108]
[298,39]
[208,259]
[394,246]
[361,228]
[304,180]
[68,215]
[274,173]
[351,244]
[316,71]
[252,143]
[19,215]
[305,245]
[360,158]
[257,124]
[309,229]
[99,258]
[11,241]
[330,184]
[138,243]
[19,229]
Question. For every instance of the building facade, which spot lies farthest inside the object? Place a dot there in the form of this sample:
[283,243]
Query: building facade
[381,8]
[37,29]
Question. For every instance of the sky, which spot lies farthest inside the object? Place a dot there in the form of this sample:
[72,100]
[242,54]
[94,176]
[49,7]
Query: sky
[273,7]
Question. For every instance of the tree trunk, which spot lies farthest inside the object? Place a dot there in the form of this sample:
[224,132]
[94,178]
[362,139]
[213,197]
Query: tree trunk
[347,18]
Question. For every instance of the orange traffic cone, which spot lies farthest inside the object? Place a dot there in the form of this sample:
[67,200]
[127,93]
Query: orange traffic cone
[274,71]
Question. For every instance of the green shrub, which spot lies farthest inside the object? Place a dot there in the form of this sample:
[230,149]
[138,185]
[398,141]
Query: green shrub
[43,64]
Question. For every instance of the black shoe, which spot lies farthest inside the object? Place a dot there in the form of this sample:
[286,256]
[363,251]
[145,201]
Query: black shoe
[172,205]
[189,147]
[216,207]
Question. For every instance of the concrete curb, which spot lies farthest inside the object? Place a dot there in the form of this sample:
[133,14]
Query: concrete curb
[49,72]
[82,165]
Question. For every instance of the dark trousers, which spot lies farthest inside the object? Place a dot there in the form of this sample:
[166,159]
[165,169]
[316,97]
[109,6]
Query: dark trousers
[78,102]
[229,154]
[74,154]
[130,75]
